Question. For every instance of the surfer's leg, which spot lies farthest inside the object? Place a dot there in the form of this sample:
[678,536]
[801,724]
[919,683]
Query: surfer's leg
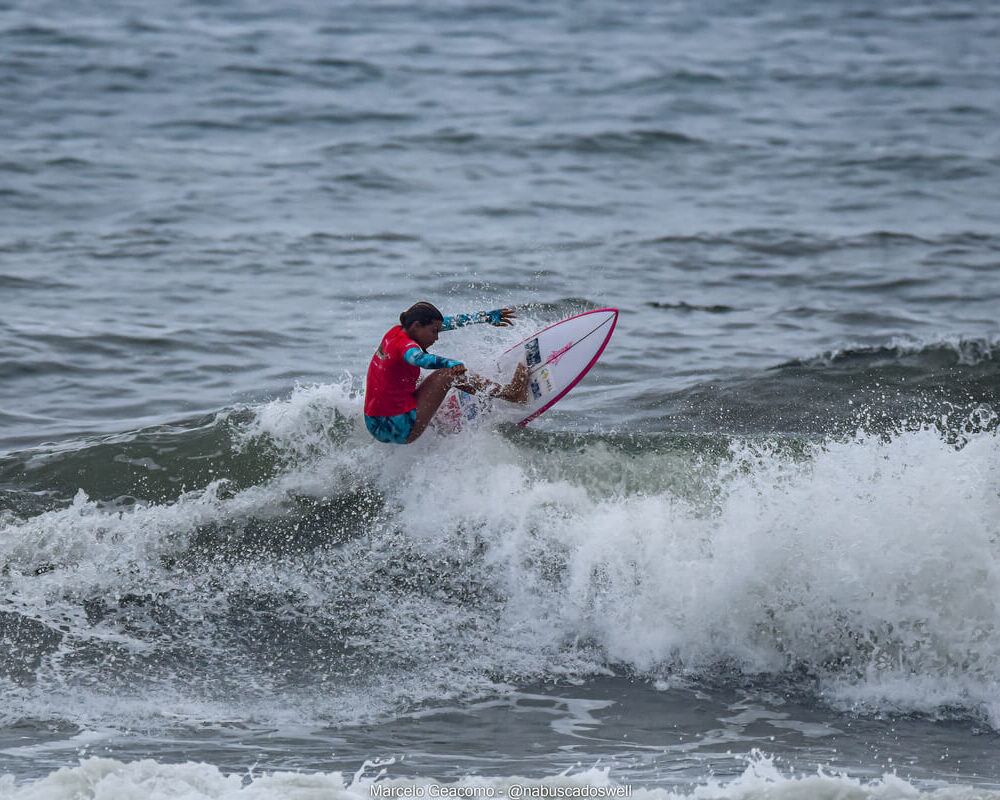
[474,384]
[430,394]
[514,392]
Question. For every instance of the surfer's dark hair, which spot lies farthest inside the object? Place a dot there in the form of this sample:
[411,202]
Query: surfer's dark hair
[422,313]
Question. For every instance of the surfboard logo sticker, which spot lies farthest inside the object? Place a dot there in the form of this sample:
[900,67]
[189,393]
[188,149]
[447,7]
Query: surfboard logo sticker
[545,378]
[541,385]
[469,405]
[532,353]
[554,358]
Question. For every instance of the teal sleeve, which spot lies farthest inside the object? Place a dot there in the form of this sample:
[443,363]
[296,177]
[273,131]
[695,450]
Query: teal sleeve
[461,320]
[418,358]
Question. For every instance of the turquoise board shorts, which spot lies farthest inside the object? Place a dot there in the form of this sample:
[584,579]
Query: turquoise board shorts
[392,430]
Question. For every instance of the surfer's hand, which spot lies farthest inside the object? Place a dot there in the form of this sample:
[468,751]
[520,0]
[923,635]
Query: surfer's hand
[507,316]
[457,372]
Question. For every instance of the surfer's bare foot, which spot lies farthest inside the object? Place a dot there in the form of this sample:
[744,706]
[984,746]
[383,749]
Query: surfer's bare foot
[517,390]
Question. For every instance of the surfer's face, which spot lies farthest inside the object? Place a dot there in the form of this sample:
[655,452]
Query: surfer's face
[425,335]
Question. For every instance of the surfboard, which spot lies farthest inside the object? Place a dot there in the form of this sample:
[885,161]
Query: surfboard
[557,358]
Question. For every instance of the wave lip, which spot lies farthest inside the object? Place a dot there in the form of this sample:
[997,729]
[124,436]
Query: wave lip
[945,353]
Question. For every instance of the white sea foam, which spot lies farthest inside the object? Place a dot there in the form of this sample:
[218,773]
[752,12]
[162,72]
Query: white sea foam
[870,565]
[104,779]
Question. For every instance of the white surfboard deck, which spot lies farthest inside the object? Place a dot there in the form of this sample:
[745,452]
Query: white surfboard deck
[557,358]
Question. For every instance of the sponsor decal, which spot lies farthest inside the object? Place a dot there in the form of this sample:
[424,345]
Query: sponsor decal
[532,353]
[545,380]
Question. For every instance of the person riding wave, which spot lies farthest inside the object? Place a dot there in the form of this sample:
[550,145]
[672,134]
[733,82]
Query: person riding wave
[397,409]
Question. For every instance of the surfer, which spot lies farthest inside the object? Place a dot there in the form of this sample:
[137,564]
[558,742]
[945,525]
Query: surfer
[397,409]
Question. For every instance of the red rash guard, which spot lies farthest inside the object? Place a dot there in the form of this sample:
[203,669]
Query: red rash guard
[391,380]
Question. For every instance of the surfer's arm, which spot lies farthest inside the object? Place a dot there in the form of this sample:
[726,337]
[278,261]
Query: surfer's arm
[498,316]
[418,358]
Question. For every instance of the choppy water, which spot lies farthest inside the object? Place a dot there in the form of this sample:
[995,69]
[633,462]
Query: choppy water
[758,541]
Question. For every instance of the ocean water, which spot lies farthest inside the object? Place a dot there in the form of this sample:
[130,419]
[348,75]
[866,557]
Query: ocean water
[754,554]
